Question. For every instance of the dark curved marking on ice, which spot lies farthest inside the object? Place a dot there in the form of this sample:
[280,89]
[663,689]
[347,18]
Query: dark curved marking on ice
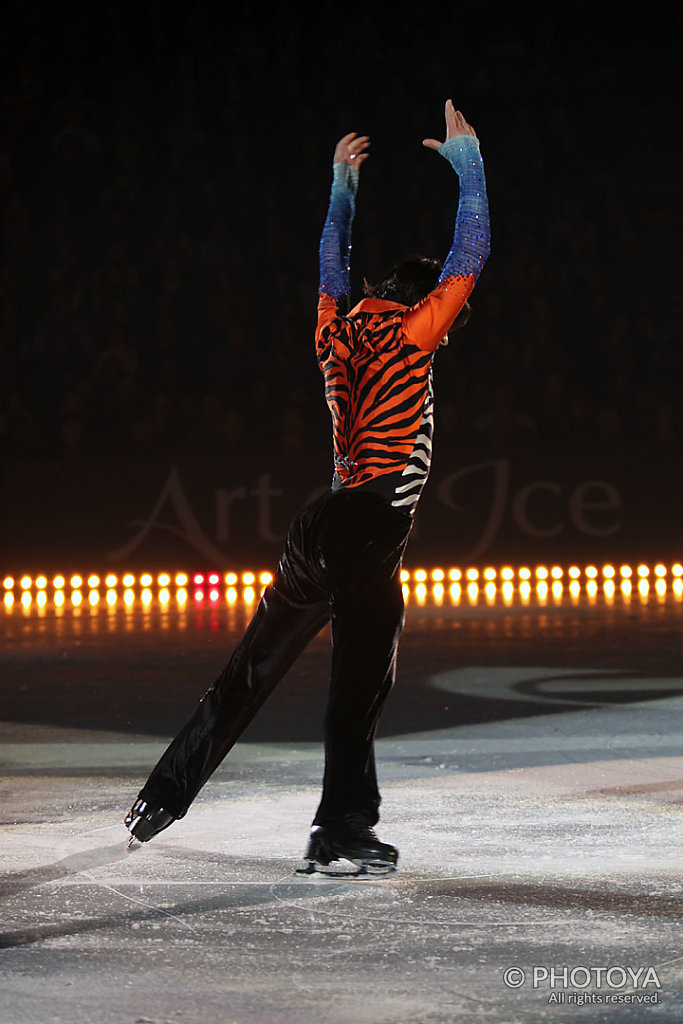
[254,895]
[639,789]
[557,897]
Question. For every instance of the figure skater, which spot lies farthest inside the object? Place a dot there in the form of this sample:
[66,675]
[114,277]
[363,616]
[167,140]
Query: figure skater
[343,552]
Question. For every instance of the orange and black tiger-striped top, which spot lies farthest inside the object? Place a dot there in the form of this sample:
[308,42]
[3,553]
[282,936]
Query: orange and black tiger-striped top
[377,360]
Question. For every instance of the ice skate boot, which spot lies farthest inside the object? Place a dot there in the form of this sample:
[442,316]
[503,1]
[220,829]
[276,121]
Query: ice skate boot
[144,822]
[348,846]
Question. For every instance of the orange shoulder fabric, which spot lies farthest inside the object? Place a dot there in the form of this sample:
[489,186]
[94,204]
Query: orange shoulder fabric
[427,323]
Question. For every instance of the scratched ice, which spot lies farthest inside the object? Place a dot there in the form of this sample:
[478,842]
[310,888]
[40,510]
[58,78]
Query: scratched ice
[531,769]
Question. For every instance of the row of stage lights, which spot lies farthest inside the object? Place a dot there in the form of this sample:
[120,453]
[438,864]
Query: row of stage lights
[128,581]
[509,582]
[251,579]
[506,581]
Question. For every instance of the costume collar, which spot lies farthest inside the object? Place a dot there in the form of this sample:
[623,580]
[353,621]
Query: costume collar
[375,306]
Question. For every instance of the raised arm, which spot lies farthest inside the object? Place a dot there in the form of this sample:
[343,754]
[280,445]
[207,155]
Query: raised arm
[427,323]
[335,242]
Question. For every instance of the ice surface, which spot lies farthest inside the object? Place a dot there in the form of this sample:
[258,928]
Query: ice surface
[546,833]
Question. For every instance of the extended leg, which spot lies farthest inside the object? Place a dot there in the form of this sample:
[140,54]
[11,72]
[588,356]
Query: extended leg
[293,609]
[277,634]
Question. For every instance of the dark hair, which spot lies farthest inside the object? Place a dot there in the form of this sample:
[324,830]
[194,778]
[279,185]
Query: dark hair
[408,281]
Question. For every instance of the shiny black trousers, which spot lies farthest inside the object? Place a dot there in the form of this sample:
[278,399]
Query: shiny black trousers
[341,563]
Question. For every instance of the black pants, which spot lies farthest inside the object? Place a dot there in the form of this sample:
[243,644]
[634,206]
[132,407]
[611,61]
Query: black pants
[342,562]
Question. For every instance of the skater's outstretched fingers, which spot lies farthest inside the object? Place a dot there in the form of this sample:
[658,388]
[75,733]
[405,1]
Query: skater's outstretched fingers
[352,149]
[455,125]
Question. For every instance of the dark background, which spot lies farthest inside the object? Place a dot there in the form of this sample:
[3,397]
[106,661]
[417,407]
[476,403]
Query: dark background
[165,179]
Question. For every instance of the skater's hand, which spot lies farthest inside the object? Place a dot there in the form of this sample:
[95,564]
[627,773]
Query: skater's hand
[455,125]
[352,149]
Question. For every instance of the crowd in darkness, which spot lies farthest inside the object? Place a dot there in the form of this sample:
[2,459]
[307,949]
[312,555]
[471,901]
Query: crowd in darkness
[164,187]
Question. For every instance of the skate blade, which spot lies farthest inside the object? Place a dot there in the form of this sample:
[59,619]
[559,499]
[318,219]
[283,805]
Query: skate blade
[346,868]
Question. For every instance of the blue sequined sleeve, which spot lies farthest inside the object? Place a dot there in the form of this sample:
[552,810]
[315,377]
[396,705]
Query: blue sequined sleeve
[472,237]
[335,242]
